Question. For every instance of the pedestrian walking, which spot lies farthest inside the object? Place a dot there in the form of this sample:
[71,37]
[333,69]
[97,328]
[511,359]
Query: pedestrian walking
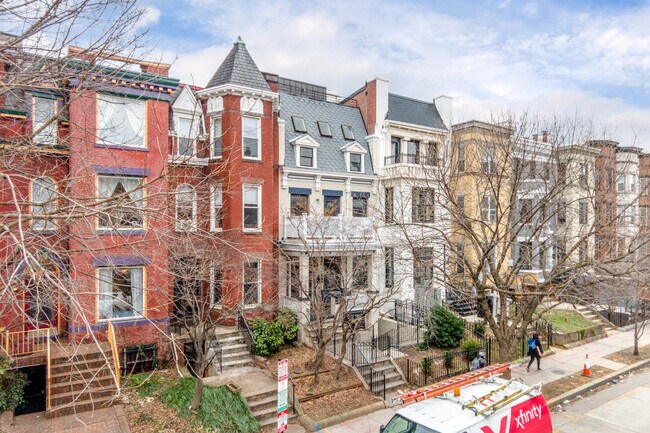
[534,350]
[478,362]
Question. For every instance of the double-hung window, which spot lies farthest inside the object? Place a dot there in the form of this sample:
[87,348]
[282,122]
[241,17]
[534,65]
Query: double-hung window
[252,207]
[360,204]
[252,283]
[185,208]
[216,207]
[122,201]
[299,204]
[332,203]
[389,205]
[356,162]
[361,272]
[423,267]
[293,277]
[121,292]
[43,203]
[120,121]
[489,209]
[44,122]
[307,157]
[216,146]
[423,205]
[251,137]
[389,267]
[187,130]
[583,211]
[620,183]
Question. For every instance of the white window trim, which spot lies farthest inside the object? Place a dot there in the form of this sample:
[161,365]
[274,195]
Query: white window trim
[179,226]
[195,120]
[53,223]
[258,229]
[54,123]
[212,155]
[315,156]
[259,138]
[259,284]
[136,314]
[213,190]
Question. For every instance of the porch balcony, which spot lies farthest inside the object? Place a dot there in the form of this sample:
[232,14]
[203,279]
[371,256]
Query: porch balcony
[314,230]
[26,342]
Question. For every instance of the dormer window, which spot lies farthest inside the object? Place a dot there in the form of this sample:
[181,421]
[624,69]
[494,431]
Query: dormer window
[306,151]
[348,133]
[306,156]
[187,131]
[298,124]
[324,129]
[355,162]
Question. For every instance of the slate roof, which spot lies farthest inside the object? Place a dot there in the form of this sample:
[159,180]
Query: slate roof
[239,68]
[330,158]
[413,111]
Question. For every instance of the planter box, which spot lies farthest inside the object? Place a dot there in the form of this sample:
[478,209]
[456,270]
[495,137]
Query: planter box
[564,338]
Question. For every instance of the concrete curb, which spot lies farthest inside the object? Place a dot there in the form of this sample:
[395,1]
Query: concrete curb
[311,426]
[593,384]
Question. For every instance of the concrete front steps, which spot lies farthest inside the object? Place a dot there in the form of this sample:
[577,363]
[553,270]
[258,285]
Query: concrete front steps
[264,406]
[234,346]
[589,314]
[81,379]
[394,379]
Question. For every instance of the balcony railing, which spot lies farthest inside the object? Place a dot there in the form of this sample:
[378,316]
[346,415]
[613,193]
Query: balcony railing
[412,159]
[314,228]
[20,343]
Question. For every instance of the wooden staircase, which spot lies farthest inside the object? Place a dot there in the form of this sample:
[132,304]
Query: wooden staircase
[81,379]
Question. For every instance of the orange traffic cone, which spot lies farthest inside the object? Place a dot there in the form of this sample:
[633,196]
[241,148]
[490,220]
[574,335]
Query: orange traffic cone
[586,372]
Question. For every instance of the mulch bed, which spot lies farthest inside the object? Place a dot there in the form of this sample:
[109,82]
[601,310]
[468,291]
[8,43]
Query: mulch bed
[568,383]
[300,359]
[626,357]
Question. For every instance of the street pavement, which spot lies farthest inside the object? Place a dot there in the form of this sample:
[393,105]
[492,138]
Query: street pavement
[620,408]
[554,367]
[570,361]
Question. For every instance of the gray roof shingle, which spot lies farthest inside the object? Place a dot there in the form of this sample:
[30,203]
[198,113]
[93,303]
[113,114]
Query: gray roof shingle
[239,68]
[413,111]
[330,158]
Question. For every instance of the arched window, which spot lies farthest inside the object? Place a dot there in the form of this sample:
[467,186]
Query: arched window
[43,203]
[185,208]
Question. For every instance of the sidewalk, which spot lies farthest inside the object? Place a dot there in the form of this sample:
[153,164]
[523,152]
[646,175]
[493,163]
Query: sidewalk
[570,361]
[554,367]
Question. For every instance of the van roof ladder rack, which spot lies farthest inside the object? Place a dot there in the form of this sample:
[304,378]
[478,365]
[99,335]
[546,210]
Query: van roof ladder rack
[447,385]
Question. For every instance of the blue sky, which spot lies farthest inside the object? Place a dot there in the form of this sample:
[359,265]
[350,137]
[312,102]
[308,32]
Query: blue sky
[548,57]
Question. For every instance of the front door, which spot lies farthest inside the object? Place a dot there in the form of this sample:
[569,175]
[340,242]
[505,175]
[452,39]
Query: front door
[41,308]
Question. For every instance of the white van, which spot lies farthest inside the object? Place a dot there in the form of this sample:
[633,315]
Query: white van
[489,405]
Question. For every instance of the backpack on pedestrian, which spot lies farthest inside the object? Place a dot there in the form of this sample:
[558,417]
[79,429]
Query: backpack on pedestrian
[532,344]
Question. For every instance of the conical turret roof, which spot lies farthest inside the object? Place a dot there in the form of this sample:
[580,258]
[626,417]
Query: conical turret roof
[239,68]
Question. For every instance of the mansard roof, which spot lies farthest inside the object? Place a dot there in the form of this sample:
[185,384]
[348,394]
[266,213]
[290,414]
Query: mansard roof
[413,111]
[239,68]
[330,156]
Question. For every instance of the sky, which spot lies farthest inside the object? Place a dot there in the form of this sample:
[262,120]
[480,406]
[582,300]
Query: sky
[582,58]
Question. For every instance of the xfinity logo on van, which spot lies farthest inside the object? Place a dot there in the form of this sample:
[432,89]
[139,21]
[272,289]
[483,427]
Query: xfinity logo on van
[523,418]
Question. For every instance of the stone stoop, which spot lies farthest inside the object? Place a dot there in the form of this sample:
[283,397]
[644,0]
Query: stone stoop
[394,379]
[81,380]
[590,315]
[235,354]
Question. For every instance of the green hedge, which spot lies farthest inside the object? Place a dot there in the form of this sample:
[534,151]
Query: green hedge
[446,329]
[12,386]
[270,336]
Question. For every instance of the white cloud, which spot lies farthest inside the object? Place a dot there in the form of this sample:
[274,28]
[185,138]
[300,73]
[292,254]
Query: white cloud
[571,62]
[150,15]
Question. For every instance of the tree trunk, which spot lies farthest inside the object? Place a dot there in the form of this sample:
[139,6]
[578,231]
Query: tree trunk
[339,360]
[318,361]
[636,338]
[198,390]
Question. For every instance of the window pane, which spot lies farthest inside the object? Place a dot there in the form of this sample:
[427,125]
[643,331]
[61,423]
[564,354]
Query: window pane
[251,283]
[44,117]
[306,157]
[324,129]
[251,207]
[332,205]
[251,130]
[360,206]
[298,124]
[124,209]
[348,134]
[217,207]
[185,140]
[355,162]
[299,204]
[250,195]
[216,138]
[185,207]
[215,286]
[120,121]
[43,191]
[121,292]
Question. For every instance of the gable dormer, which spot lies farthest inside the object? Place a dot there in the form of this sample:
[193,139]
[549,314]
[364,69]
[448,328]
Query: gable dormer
[355,155]
[186,123]
[306,151]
